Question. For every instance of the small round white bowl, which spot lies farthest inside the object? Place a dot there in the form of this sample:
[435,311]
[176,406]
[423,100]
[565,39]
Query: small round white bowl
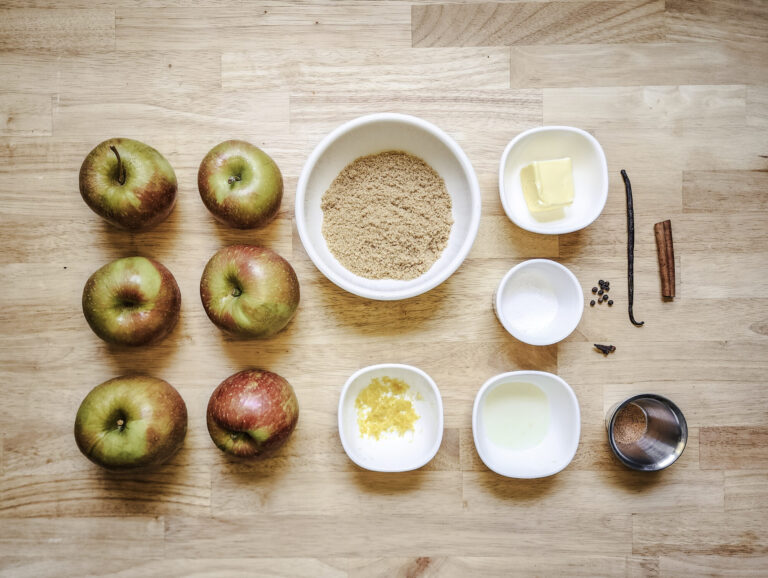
[392,453]
[559,445]
[370,135]
[539,302]
[590,178]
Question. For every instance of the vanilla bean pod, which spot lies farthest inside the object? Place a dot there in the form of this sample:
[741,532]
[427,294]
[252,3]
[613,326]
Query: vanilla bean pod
[630,248]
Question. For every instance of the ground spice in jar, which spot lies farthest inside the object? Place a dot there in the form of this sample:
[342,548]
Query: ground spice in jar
[387,216]
[630,424]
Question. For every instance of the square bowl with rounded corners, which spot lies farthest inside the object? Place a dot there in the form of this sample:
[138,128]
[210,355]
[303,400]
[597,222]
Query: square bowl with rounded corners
[539,302]
[373,134]
[590,178]
[393,453]
[559,445]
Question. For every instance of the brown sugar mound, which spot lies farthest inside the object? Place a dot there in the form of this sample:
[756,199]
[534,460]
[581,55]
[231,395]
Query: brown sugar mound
[387,216]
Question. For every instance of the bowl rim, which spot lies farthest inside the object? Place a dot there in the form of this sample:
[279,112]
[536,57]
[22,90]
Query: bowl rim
[562,229]
[474,192]
[522,265]
[440,424]
[502,377]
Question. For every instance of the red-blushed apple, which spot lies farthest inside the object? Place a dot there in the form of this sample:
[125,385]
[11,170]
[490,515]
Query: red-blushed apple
[240,184]
[129,184]
[249,291]
[252,413]
[131,422]
[132,301]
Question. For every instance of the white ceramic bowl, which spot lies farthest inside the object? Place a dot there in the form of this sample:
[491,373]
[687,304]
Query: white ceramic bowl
[590,178]
[539,302]
[392,453]
[373,134]
[559,445]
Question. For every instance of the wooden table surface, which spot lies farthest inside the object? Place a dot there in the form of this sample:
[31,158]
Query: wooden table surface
[676,92]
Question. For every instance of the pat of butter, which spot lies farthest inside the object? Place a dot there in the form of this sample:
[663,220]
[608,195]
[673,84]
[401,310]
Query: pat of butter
[547,184]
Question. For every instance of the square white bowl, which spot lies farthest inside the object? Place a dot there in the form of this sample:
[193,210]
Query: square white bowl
[539,302]
[590,178]
[373,134]
[392,453]
[558,447]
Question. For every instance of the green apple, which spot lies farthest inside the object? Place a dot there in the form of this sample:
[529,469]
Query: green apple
[132,301]
[249,291]
[128,183]
[240,184]
[131,422]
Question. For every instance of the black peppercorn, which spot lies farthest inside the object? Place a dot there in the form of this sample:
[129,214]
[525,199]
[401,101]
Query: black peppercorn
[610,302]
[592,303]
[600,292]
[594,289]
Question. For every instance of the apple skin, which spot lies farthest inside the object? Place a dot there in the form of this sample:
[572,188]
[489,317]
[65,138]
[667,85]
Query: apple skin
[148,193]
[132,301]
[252,413]
[249,291]
[240,184]
[131,422]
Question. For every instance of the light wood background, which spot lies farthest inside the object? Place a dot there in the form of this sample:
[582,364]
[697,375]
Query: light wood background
[676,92]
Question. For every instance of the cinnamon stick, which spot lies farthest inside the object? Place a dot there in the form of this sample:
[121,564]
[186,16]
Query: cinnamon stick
[666,252]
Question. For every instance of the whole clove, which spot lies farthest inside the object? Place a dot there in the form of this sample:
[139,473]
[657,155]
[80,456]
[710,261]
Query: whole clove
[605,349]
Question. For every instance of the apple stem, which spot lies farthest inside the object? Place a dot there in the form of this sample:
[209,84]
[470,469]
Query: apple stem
[236,292]
[232,180]
[121,424]
[120,167]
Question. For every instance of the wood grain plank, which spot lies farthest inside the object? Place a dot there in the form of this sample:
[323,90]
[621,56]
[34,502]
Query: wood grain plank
[720,277]
[647,106]
[25,114]
[722,565]
[238,489]
[757,106]
[357,26]
[602,65]
[113,76]
[710,533]
[368,69]
[695,148]
[511,565]
[734,448]
[595,491]
[87,567]
[70,537]
[57,31]
[737,192]
[93,493]
[216,115]
[746,490]
[494,24]
[457,535]
[716,20]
